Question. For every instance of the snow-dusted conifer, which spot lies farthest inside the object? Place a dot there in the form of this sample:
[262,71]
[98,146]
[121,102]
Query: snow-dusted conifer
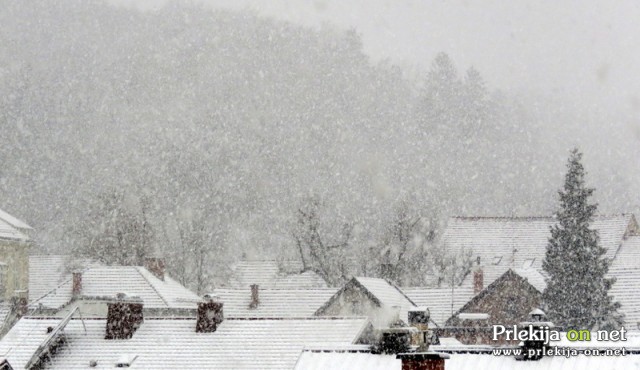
[577,292]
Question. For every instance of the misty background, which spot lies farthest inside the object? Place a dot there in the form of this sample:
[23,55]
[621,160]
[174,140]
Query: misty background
[219,121]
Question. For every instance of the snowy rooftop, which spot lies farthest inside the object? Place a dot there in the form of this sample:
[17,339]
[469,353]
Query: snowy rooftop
[388,294]
[271,275]
[7,231]
[47,272]
[174,344]
[13,221]
[521,242]
[463,361]
[439,301]
[134,280]
[274,303]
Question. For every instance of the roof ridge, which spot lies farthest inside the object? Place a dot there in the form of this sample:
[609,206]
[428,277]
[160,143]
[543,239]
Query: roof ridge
[535,217]
[152,285]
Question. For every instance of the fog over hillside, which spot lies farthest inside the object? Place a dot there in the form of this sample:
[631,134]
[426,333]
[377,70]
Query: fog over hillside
[233,121]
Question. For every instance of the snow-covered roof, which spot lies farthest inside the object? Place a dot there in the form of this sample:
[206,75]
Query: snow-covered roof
[628,255]
[267,274]
[439,300]
[9,232]
[346,361]
[274,303]
[460,361]
[521,241]
[388,294]
[11,220]
[107,281]
[47,272]
[464,361]
[174,344]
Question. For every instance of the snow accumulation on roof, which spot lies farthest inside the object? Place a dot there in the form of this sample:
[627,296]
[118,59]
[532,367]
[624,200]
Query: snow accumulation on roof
[274,303]
[463,361]
[174,344]
[628,255]
[9,232]
[47,272]
[346,361]
[388,294]
[267,274]
[11,220]
[107,281]
[522,241]
[441,302]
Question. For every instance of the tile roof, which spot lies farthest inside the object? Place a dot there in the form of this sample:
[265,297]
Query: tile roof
[388,294]
[439,300]
[274,303]
[268,275]
[491,237]
[106,281]
[628,255]
[625,291]
[174,344]
[47,272]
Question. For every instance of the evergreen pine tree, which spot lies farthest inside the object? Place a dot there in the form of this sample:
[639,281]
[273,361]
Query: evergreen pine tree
[577,292]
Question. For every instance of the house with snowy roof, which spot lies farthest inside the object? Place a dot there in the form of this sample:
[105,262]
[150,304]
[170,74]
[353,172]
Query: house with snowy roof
[14,261]
[92,288]
[519,243]
[128,338]
[255,302]
[272,274]
[378,299]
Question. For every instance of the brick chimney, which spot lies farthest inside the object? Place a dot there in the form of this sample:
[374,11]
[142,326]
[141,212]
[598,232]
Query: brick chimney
[124,317]
[76,287]
[478,278]
[423,360]
[155,265]
[255,296]
[210,314]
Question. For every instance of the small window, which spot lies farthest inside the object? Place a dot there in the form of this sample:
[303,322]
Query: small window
[496,260]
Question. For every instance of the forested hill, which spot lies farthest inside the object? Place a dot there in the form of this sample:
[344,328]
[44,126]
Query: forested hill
[237,121]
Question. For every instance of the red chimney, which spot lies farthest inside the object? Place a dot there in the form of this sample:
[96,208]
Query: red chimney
[155,266]
[209,315]
[255,296]
[423,360]
[124,317]
[76,288]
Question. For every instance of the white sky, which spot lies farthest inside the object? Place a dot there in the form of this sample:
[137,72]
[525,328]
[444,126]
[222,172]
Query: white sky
[587,50]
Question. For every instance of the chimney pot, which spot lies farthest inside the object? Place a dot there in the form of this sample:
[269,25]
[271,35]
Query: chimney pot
[210,314]
[155,265]
[76,288]
[423,360]
[124,317]
[255,296]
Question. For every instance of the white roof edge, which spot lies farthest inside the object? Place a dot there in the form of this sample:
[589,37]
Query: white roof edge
[13,221]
